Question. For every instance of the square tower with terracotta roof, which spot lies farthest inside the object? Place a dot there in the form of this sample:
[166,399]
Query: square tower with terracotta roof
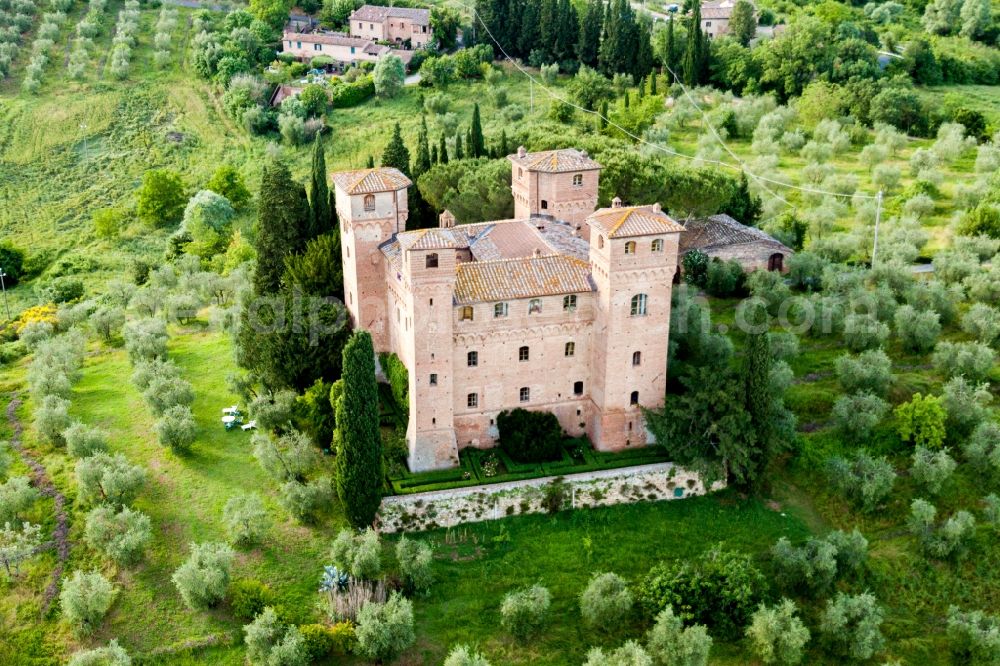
[561,184]
[372,207]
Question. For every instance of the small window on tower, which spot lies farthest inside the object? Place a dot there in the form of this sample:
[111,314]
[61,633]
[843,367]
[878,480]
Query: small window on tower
[535,306]
[578,388]
[636,358]
[434,379]
[545,204]
[638,305]
[472,358]
[472,400]
[569,302]
[630,247]
[369,202]
[466,313]
[578,180]
[600,242]
[431,261]
[657,245]
[523,354]
[525,394]
[634,398]
[499,309]
[570,348]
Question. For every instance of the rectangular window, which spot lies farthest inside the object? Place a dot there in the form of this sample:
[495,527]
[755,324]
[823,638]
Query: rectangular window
[472,400]
[570,348]
[578,180]
[578,388]
[525,394]
[298,44]
[523,353]
[473,359]
[569,302]
[545,204]
[499,309]
[434,379]
[467,313]
[352,50]
[535,306]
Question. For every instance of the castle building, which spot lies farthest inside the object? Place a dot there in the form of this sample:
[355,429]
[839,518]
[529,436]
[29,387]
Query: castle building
[564,309]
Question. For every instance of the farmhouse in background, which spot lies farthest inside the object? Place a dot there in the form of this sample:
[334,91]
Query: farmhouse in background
[722,237]
[564,309]
[306,40]
[715,16]
[392,24]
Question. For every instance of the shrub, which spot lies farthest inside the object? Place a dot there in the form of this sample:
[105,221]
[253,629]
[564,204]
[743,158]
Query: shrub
[917,331]
[112,655]
[52,418]
[670,642]
[629,654]
[530,436]
[108,478]
[776,634]
[922,421]
[203,578]
[719,589]
[810,567]
[972,360]
[323,641]
[245,518]
[83,441]
[17,495]
[769,286]
[784,345]
[121,535]
[991,512]
[982,322]
[163,393]
[524,612]
[34,333]
[950,539]
[462,655]
[864,480]
[695,267]
[385,630]
[269,642]
[85,599]
[359,554]
[864,331]
[605,602]
[850,625]
[145,339]
[724,278]
[857,415]
[805,271]
[974,636]
[966,404]
[983,448]
[932,468]
[415,559]
[869,371]
[248,598]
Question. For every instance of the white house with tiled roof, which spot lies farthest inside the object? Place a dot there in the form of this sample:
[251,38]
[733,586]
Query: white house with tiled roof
[305,40]
[561,309]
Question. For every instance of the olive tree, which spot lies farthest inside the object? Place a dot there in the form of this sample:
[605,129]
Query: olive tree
[670,642]
[917,331]
[415,559]
[972,360]
[631,653]
[864,480]
[83,441]
[974,636]
[949,539]
[245,518]
[605,601]
[851,625]
[869,371]
[523,612]
[120,534]
[931,469]
[966,404]
[462,655]
[857,415]
[17,495]
[176,428]
[269,641]
[203,578]
[111,655]
[982,449]
[359,554]
[776,634]
[52,418]
[85,599]
[108,478]
[384,630]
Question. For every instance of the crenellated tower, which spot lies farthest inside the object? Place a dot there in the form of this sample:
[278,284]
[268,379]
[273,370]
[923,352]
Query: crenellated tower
[372,207]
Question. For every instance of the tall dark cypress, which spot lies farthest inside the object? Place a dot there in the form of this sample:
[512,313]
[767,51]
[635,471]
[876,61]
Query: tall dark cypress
[693,56]
[443,150]
[458,146]
[758,398]
[477,144]
[282,220]
[359,444]
[530,37]
[434,155]
[423,160]
[548,22]
[568,28]
[321,215]
[668,56]
[396,154]
[370,162]
[644,58]
[591,25]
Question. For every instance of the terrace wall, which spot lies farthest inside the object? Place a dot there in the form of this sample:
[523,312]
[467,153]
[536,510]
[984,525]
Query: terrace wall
[447,508]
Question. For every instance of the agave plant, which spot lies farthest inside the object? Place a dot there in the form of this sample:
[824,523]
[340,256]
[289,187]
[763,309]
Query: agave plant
[333,580]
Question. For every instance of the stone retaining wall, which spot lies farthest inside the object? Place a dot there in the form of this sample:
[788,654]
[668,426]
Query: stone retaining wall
[446,508]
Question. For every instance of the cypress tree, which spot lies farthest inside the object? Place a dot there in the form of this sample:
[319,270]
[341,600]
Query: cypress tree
[359,444]
[652,84]
[282,219]
[568,27]
[396,153]
[370,163]
[477,144]
[644,57]
[434,155]
[530,37]
[443,150]
[321,218]
[591,26]
[602,121]
[757,396]
[458,146]
[668,55]
[423,160]
[743,205]
[548,22]
[503,148]
[693,58]
[625,102]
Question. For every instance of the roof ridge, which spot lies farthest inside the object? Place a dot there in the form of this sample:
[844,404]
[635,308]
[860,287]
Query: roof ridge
[508,260]
[628,212]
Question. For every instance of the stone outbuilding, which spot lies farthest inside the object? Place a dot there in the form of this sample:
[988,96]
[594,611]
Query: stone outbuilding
[722,237]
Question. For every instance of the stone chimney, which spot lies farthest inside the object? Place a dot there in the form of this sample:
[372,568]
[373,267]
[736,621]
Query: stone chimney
[521,151]
[616,203]
[656,207]
[446,220]
[583,153]
[537,252]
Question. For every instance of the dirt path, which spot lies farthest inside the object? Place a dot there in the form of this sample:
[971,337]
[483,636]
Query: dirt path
[41,480]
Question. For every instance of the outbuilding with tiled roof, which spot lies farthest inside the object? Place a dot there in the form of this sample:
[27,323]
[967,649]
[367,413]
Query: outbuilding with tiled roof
[722,237]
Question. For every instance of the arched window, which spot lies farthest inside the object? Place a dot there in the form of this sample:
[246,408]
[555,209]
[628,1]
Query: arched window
[638,305]
[431,261]
[570,348]
[523,353]
[467,313]
[630,247]
[657,245]
[600,242]
[369,202]
[636,358]
[578,180]
[634,398]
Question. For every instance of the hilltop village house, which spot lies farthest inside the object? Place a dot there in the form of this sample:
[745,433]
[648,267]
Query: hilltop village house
[564,309]
[715,17]
[372,29]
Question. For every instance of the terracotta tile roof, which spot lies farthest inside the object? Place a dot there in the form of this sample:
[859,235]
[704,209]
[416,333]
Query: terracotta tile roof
[365,181]
[526,277]
[720,231]
[326,37]
[621,222]
[509,240]
[377,14]
[555,161]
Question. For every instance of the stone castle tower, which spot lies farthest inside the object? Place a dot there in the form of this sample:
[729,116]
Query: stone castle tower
[559,183]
